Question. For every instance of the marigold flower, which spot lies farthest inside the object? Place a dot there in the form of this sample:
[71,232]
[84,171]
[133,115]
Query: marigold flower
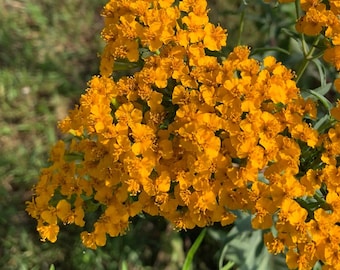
[48,232]
[314,20]
[215,37]
[332,55]
[307,4]
[274,245]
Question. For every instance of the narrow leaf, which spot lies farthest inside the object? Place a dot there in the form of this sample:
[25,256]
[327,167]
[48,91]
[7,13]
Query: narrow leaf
[323,89]
[124,265]
[325,102]
[192,251]
[322,72]
[228,266]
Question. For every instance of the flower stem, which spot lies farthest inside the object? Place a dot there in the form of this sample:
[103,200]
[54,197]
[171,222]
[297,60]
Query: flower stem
[241,28]
[307,58]
[297,9]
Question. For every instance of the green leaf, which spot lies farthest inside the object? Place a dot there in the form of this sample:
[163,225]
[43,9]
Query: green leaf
[317,266]
[323,123]
[121,65]
[91,206]
[75,156]
[52,267]
[324,101]
[322,72]
[124,265]
[246,256]
[269,49]
[323,89]
[115,103]
[192,251]
[228,266]
[291,33]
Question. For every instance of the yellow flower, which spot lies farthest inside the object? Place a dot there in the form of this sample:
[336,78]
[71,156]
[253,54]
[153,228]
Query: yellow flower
[264,210]
[197,6]
[258,158]
[49,215]
[335,112]
[79,216]
[296,261]
[314,20]
[332,55]
[165,3]
[243,143]
[307,4]
[195,24]
[163,182]
[101,116]
[143,138]
[64,211]
[305,133]
[91,240]
[129,27]
[215,37]
[57,152]
[334,136]
[274,245]
[292,212]
[205,201]
[151,36]
[329,173]
[128,115]
[311,181]
[48,232]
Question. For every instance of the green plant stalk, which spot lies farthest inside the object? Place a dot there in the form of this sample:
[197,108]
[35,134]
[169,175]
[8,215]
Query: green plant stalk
[192,251]
[303,42]
[326,125]
[121,65]
[297,9]
[241,28]
[307,58]
[228,266]
[266,49]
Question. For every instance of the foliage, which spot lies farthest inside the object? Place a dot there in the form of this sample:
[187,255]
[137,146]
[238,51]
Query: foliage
[47,40]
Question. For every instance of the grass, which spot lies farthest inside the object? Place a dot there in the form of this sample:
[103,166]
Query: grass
[48,51]
[41,43]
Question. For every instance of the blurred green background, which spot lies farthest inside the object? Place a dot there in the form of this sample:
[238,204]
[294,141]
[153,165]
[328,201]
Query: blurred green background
[48,51]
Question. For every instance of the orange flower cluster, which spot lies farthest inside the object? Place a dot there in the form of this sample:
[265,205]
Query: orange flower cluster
[192,138]
[322,18]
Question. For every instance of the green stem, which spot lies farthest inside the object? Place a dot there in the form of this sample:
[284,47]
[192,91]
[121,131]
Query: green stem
[266,49]
[241,28]
[297,9]
[307,58]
